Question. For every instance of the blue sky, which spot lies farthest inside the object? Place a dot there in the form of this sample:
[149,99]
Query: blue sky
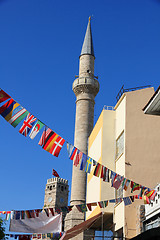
[40,44]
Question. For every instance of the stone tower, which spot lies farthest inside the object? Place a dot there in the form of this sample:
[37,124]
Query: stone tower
[85,88]
[56,194]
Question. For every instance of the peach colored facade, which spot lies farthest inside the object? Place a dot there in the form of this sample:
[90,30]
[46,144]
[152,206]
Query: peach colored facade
[126,141]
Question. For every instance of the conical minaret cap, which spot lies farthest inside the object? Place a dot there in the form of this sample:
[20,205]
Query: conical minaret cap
[87,47]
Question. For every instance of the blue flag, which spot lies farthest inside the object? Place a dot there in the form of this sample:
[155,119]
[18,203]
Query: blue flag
[83,161]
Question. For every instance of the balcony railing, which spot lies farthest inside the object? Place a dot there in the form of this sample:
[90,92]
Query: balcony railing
[123,90]
[108,108]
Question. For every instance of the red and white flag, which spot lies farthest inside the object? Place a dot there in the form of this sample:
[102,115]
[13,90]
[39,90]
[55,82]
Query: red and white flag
[57,145]
[54,173]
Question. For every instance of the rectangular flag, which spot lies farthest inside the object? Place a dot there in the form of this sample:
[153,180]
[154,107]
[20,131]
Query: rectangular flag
[74,153]
[7,107]
[83,161]
[13,112]
[146,200]
[16,107]
[132,198]
[97,170]
[101,204]
[142,190]
[82,208]
[113,177]
[3,96]
[88,165]
[117,181]
[125,183]
[27,124]
[151,193]
[137,197]
[105,174]
[127,201]
[102,172]
[18,115]
[57,146]
[89,205]
[94,162]
[44,136]
[106,203]
[22,214]
[134,186]
[8,215]
[36,128]
[51,142]
[54,173]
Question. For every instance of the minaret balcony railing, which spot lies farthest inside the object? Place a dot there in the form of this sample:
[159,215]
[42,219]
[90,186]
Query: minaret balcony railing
[85,81]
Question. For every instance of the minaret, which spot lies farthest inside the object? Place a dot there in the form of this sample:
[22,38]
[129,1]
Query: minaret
[85,88]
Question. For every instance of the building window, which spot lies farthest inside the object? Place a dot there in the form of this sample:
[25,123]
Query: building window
[120,145]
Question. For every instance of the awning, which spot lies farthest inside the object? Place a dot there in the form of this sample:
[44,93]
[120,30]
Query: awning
[81,227]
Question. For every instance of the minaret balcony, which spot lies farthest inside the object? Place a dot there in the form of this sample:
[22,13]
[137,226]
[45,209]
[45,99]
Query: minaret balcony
[85,84]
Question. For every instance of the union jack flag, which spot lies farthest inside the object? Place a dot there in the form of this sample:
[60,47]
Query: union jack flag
[27,124]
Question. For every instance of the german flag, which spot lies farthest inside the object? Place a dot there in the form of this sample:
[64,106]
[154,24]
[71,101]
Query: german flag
[97,170]
[49,141]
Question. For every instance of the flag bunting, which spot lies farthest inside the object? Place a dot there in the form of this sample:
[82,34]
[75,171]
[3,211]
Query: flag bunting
[50,141]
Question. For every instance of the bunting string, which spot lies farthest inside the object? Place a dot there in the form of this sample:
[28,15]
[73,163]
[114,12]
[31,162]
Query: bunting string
[37,236]
[22,214]
[50,141]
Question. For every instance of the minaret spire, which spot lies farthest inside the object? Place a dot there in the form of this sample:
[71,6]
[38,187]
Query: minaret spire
[85,87]
[87,47]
